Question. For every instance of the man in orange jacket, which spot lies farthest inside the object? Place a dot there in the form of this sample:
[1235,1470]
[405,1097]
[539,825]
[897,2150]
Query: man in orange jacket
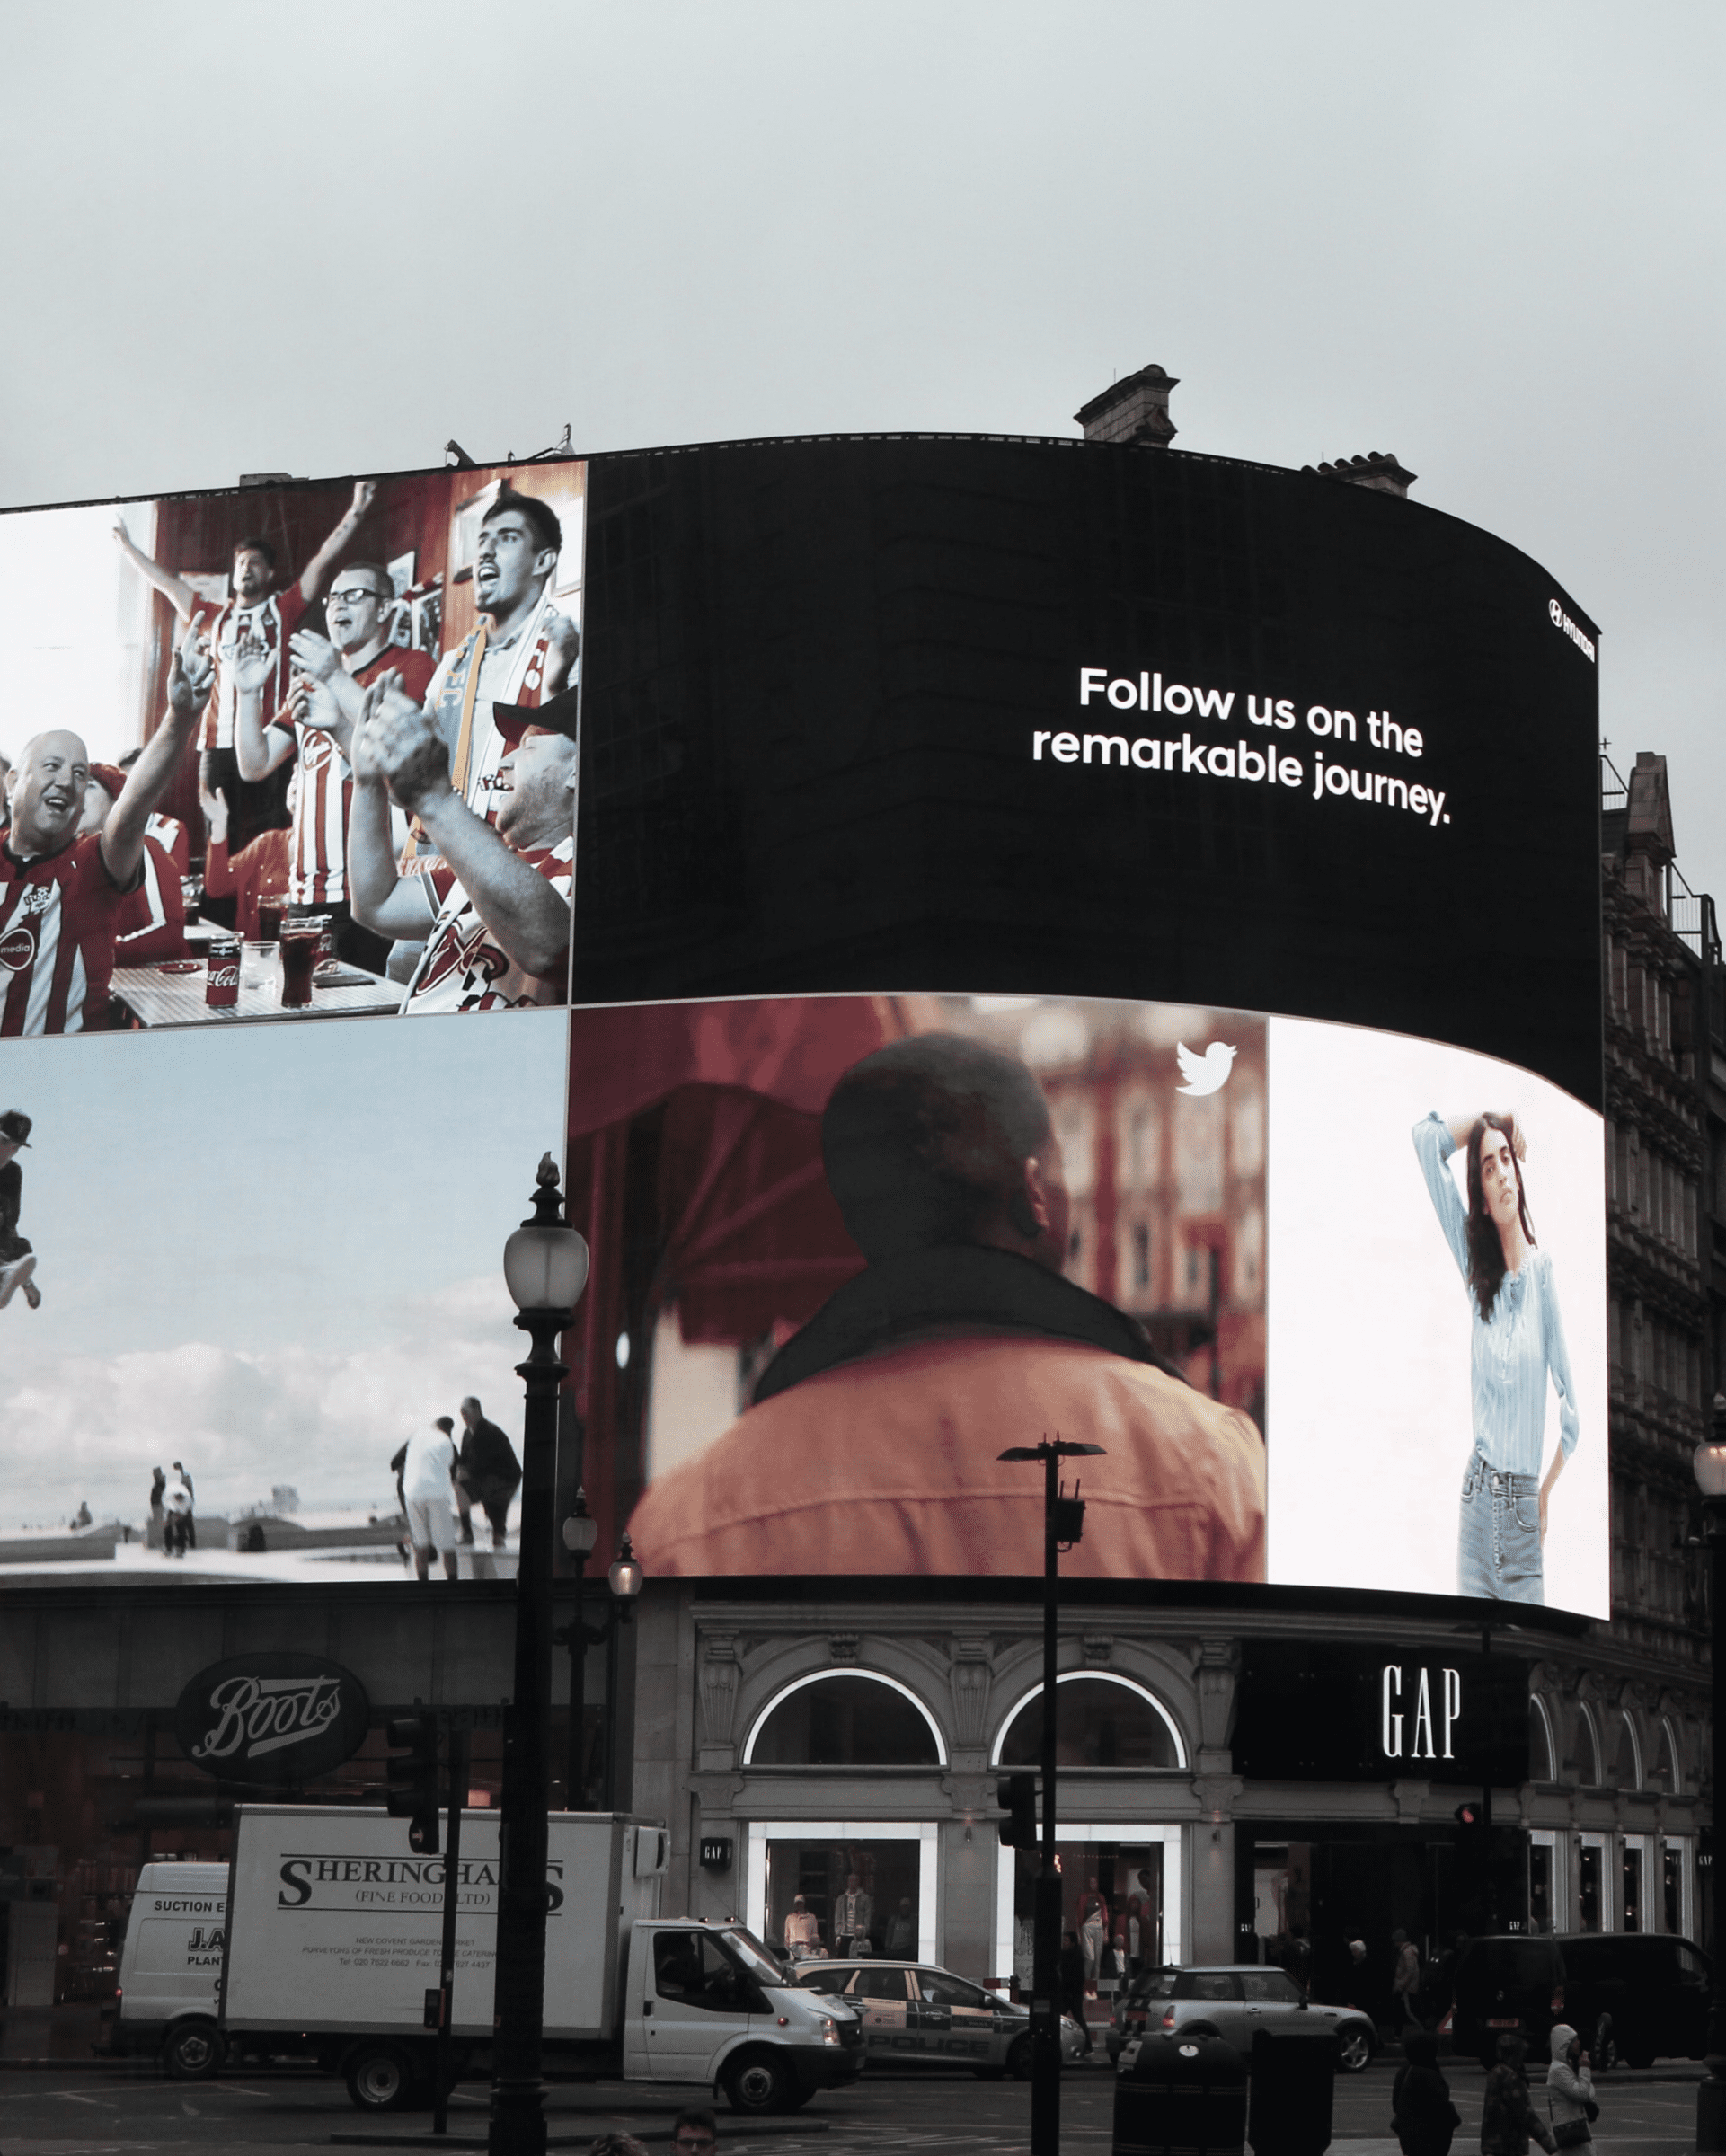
[871,1444]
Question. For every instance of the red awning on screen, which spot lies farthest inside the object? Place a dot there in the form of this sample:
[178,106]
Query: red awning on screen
[742,1233]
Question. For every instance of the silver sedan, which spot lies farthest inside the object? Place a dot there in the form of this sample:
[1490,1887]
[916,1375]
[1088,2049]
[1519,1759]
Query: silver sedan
[916,2015]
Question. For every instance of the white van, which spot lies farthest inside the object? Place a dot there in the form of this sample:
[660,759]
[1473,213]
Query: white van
[171,1966]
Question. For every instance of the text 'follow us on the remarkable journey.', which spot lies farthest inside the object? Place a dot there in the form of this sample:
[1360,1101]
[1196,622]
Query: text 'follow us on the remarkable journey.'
[1243,759]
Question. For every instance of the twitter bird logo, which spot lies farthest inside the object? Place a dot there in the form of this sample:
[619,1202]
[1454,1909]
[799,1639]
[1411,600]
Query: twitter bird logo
[1205,1073]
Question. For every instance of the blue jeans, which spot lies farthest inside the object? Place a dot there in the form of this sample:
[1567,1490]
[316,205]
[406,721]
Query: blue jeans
[1497,1554]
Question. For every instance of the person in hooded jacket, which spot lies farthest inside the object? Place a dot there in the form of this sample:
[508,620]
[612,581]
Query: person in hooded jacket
[1509,2120]
[1422,2116]
[1569,2089]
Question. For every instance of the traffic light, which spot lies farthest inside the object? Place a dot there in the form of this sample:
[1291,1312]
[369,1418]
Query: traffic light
[1017,1797]
[1471,1820]
[413,1778]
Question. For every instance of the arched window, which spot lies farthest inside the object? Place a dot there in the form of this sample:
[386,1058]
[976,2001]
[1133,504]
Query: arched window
[1104,1721]
[1589,1772]
[1627,1767]
[1542,1763]
[1666,1761]
[853,1719]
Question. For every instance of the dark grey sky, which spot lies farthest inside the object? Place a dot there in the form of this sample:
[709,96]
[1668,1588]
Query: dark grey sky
[1487,238]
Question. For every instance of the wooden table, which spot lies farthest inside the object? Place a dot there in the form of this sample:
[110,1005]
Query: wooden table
[164,996]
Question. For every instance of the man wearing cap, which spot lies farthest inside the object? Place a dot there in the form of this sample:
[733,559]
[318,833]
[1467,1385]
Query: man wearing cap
[494,912]
[316,723]
[17,1259]
[61,895]
[153,922]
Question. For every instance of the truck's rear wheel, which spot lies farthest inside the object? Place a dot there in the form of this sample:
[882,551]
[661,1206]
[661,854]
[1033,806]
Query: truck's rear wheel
[380,2078]
[193,2050]
[759,2083]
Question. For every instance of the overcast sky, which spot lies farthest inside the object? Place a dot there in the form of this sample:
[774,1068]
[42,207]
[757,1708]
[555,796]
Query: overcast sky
[279,1294]
[1487,238]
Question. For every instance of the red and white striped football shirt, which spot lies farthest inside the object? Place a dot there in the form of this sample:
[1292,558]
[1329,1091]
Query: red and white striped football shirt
[324,796]
[58,915]
[272,621]
[152,919]
[171,835]
[464,968]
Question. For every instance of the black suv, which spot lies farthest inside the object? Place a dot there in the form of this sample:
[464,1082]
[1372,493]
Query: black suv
[1651,1988]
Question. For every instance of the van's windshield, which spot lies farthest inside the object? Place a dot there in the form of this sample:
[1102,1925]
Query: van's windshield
[748,1950]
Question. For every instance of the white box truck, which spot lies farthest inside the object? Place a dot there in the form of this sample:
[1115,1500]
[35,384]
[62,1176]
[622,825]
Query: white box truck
[332,1944]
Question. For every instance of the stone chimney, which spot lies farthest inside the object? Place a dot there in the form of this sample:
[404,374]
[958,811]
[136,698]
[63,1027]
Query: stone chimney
[1377,470]
[1647,843]
[1134,409]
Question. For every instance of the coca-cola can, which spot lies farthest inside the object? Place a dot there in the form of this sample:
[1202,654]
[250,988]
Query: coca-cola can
[222,978]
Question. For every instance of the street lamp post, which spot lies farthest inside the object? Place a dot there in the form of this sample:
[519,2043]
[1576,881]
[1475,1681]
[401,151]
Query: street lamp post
[545,1267]
[1710,1463]
[1062,1524]
[580,1531]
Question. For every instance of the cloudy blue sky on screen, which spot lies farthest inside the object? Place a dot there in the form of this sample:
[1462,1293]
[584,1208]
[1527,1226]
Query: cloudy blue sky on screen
[1487,236]
[271,1252]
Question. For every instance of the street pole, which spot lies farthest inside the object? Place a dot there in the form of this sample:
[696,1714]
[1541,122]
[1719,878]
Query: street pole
[546,1266]
[447,1957]
[1711,2093]
[1489,1876]
[1045,1983]
[1062,1525]
[580,1531]
[625,1580]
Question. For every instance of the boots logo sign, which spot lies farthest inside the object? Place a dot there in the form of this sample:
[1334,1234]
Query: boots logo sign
[1421,1722]
[272,1720]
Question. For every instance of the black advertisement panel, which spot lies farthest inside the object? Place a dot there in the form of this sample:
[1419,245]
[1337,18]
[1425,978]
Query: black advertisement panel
[1309,1713]
[1087,721]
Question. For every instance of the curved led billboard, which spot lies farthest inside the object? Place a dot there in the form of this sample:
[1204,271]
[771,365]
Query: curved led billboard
[1038,935]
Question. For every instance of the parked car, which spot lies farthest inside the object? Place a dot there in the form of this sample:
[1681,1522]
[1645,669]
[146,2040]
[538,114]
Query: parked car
[1651,1988]
[916,2015]
[1235,2000]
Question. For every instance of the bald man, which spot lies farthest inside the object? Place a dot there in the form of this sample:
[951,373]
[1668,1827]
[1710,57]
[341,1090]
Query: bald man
[61,894]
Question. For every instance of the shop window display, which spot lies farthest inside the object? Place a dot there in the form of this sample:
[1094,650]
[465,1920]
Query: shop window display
[1111,1900]
[842,1899]
[1589,1866]
[71,1846]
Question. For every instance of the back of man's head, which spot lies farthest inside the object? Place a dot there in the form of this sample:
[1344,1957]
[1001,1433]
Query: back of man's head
[446,1422]
[925,1142]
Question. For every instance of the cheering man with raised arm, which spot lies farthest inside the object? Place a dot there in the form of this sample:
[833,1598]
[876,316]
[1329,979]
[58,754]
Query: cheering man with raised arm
[330,675]
[495,915]
[257,612]
[61,895]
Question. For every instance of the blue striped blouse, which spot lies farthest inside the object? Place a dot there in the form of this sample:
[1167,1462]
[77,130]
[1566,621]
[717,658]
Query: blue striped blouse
[1514,1348]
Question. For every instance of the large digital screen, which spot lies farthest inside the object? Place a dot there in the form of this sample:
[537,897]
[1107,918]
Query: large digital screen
[882,1240]
[346,712]
[1010,937]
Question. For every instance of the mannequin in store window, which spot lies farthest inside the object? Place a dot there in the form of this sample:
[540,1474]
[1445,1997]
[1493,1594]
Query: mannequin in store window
[1093,1925]
[901,1942]
[802,1931]
[853,1916]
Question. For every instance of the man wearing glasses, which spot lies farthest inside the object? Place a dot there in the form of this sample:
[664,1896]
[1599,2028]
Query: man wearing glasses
[695,2133]
[315,723]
